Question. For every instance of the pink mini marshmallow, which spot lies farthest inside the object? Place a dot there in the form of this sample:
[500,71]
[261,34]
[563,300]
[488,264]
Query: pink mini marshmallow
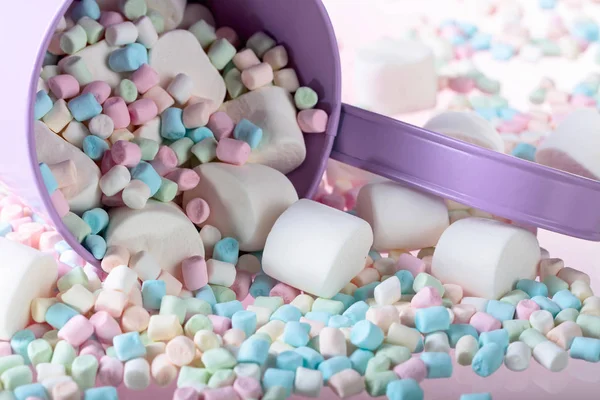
[525,308]
[39,330]
[245,59]
[92,349]
[408,262]
[110,371]
[312,121]
[287,79]
[76,331]
[19,238]
[16,223]
[116,109]
[484,322]
[413,368]
[247,388]
[11,211]
[115,255]
[185,178]
[564,334]
[228,34]
[453,292]
[194,273]
[221,125]
[145,78]
[220,324]
[105,326]
[65,390]
[571,275]
[286,292]
[233,151]
[161,97]
[100,89]
[241,284]
[113,201]
[277,57]
[63,86]
[142,111]
[197,114]
[463,313]
[224,393]
[186,393]
[5,349]
[35,229]
[165,160]
[426,297]
[461,84]
[61,205]
[257,76]
[54,46]
[197,210]
[407,316]
[108,18]
[49,239]
[366,276]
[107,162]
[126,153]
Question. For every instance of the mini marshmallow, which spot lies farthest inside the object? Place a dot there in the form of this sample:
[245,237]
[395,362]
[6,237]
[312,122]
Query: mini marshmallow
[220,273]
[136,374]
[121,34]
[277,57]
[136,194]
[257,76]
[551,356]
[308,382]
[95,58]
[402,335]
[147,34]
[115,180]
[550,266]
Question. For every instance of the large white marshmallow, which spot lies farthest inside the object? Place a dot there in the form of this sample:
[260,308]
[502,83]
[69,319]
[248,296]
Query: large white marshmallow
[401,218]
[95,58]
[575,145]
[172,11]
[271,108]
[395,76]
[178,52]
[486,257]
[245,201]
[26,274]
[52,149]
[316,248]
[161,229]
[468,127]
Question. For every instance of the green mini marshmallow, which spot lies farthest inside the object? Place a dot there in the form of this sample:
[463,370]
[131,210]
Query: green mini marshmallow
[93,29]
[396,354]
[377,364]
[11,361]
[73,40]
[39,351]
[260,43]
[74,276]
[64,354]
[305,98]
[145,339]
[173,305]
[182,149]
[76,67]
[221,378]
[157,20]
[590,325]
[16,376]
[195,306]
[568,314]
[197,323]
[190,376]
[167,191]
[555,284]
[223,294]
[148,147]
[424,279]
[515,327]
[84,370]
[515,297]
[532,337]
[272,303]
[111,352]
[76,226]
[538,96]
[134,9]
[275,393]
[377,382]
[221,52]
[332,307]
[233,83]
[127,90]
[206,150]
[219,358]
[204,33]
[230,65]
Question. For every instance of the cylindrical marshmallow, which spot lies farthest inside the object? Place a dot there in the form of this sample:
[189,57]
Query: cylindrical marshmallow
[181,88]
[551,356]
[437,342]
[402,335]
[147,34]
[542,320]
[121,34]
[136,194]
[485,257]
[220,273]
[257,76]
[465,350]
[332,342]
[115,180]
[136,374]
[517,356]
[102,126]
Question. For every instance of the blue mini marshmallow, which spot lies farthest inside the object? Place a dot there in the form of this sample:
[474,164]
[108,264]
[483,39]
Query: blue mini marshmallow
[588,349]
[565,299]
[311,358]
[279,377]
[101,393]
[532,288]
[199,134]
[360,359]
[248,132]
[287,313]
[502,51]
[366,335]
[262,285]
[84,107]
[289,360]
[19,342]
[339,321]
[487,360]
[507,113]
[97,219]
[129,346]
[57,315]
[456,331]
[62,246]
[547,304]
[86,8]
[406,281]
[404,389]
[245,321]
[439,365]
[321,316]
[524,151]
[153,292]
[206,293]
[171,124]
[365,292]
[129,58]
[48,178]
[296,333]
[357,311]
[228,308]
[5,229]
[481,41]
[94,147]
[432,319]
[147,174]
[254,350]
[476,396]
[498,336]
[32,390]
[227,250]
[334,365]
[96,245]
[500,310]
[43,104]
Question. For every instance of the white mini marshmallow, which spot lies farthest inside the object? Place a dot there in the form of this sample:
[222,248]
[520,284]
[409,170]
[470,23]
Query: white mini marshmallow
[465,350]
[181,88]
[303,302]
[542,321]
[245,201]
[388,67]
[401,218]
[551,356]
[262,315]
[58,117]
[347,383]
[121,34]
[246,262]
[332,342]
[102,126]
[115,180]
[572,147]
[249,370]
[147,34]
[145,265]
[220,273]
[150,130]
[517,356]
[485,257]
[79,298]
[52,149]
[210,236]
[402,335]
[468,127]
[316,248]
[388,291]
[136,194]
[95,58]
[136,374]
[26,274]
[437,342]
[75,132]
[308,382]
[121,278]
[49,370]
[272,109]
